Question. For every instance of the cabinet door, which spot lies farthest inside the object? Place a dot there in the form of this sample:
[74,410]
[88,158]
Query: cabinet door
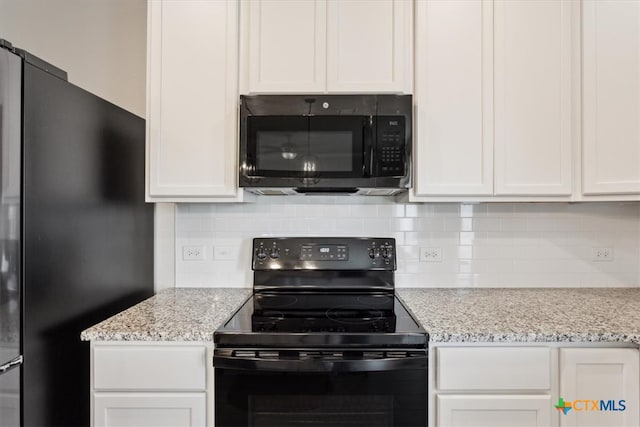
[454,111]
[533,138]
[494,410]
[611,96]
[192,100]
[149,409]
[369,45]
[600,374]
[283,46]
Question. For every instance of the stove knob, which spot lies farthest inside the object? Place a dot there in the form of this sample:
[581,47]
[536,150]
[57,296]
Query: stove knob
[372,253]
[275,253]
[386,252]
[261,254]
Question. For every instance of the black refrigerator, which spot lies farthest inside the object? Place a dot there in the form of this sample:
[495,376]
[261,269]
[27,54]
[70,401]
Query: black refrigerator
[76,237]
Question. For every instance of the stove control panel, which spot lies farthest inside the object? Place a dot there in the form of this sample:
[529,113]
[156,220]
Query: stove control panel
[324,253]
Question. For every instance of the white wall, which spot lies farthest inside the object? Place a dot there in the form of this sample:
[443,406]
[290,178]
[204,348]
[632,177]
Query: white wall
[483,245]
[100,43]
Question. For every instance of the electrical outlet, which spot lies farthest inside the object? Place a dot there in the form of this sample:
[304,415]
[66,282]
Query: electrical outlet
[430,254]
[193,253]
[602,254]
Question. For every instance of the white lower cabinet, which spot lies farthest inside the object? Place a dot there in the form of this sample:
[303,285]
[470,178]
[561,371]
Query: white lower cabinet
[493,386]
[150,409]
[151,384]
[608,377]
[494,410]
[494,368]
[497,385]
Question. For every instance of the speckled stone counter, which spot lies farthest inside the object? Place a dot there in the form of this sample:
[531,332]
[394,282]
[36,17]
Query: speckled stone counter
[448,315]
[527,315]
[181,314]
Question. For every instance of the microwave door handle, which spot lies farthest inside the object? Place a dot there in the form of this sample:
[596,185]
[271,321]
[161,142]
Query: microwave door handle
[368,139]
[319,364]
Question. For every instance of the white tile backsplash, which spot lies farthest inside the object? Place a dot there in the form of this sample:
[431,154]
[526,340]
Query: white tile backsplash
[483,245]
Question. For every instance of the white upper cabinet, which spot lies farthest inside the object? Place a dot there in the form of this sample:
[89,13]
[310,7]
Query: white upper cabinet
[192,100]
[333,46]
[369,45]
[284,43]
[494,98]
[533,139]
[611,97]
[454,76]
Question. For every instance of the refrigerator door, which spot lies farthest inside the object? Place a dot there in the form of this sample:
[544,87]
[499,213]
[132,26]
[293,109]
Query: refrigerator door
[88,238]
[10,171]
[10,397]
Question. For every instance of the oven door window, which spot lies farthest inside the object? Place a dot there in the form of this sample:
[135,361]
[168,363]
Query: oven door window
[371,399]
[299,147]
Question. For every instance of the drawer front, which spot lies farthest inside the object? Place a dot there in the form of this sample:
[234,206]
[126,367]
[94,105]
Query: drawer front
[494,410]
[149,409]
[149,368]
[500,368]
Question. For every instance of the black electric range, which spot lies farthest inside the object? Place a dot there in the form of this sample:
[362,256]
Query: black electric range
[322,340]
[324,292]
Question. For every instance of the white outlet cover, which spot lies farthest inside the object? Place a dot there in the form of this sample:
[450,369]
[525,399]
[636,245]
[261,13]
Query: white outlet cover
[430,254]
[193,253]
[603,254]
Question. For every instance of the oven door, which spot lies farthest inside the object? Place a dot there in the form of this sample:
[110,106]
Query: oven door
[308,147]
[325,388]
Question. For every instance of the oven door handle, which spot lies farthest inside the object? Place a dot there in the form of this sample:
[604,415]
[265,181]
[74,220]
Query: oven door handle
[319,364]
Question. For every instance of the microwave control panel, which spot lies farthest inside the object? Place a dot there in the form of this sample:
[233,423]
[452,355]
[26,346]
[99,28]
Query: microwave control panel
[390,152]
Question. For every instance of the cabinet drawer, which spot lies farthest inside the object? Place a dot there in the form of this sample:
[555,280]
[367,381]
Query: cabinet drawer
[149,409]
[494,410]
[149,368]
[500,368]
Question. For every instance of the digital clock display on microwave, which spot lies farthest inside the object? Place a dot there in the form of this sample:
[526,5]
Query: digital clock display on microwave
[324,252]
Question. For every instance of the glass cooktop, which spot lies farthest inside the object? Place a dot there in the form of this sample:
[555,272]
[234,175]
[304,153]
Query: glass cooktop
[301,319]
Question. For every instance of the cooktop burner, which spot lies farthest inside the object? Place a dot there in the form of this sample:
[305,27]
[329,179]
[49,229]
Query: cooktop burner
[356,317]
[278,301]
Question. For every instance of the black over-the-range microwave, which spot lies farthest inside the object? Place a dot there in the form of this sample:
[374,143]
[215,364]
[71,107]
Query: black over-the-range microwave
[325,144]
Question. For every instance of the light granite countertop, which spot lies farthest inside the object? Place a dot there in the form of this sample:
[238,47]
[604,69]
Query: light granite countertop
[527,315]
[448,315]
[180,314]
